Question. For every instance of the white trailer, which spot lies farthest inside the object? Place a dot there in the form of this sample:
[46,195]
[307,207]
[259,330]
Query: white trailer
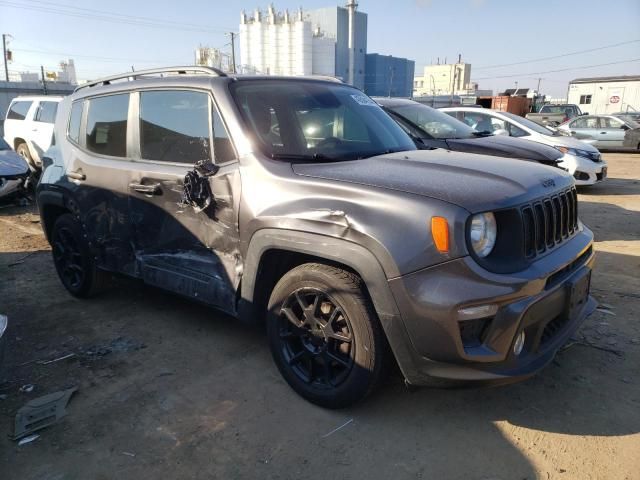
[600,95]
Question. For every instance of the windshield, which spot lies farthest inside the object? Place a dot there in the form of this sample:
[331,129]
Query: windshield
[557,109]
[299,119]
[525,122]
[434,123]
[4,145]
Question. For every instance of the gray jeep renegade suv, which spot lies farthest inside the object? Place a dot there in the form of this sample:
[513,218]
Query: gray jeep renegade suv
[299,202]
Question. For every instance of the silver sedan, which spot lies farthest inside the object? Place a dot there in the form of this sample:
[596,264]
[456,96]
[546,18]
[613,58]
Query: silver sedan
[606,131]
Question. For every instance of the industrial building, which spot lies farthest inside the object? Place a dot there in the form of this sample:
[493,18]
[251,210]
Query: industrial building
[598,95]
[317,42]
[444,79]
[388,76]
[213,57]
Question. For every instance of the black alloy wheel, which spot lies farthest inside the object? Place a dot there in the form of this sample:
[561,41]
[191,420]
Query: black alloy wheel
[316,338]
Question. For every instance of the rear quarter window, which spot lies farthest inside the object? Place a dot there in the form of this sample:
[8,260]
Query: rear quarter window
[74,121]
[18,110]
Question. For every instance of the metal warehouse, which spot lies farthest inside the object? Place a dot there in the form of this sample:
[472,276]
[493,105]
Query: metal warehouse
[600,95]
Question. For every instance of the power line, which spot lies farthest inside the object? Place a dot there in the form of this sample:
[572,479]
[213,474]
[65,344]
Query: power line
[114,18]
[559,70]
[558,56]
[68,54]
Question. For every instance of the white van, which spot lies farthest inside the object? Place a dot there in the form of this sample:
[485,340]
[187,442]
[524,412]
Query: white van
[28,127]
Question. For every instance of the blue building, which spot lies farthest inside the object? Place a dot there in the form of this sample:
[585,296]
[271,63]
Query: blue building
[388,76]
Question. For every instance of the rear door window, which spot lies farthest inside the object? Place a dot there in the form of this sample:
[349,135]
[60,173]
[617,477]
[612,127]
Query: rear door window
[47,112]
[107,125]
[174,126]
[18,110]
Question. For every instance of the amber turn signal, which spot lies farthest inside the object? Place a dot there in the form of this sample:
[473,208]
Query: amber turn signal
[440,233]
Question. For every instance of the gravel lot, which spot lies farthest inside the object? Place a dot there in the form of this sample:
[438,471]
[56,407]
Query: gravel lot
[170,389]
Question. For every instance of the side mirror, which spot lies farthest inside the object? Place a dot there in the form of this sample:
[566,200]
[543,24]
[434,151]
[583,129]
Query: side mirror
[501,131]
[584,113]
[625,127]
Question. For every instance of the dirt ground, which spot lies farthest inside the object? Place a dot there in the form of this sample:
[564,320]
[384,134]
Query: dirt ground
[171,389]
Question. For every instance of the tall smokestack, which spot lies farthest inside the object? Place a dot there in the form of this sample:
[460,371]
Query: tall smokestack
[351,6]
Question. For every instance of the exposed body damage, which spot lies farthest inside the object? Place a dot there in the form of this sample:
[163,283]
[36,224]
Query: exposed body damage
[282,208]
[14,171]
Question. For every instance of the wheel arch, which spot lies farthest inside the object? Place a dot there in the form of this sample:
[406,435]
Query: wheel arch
[273,252]
[51,205]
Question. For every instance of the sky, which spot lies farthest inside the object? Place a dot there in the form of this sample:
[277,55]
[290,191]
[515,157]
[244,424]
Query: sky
[106,38]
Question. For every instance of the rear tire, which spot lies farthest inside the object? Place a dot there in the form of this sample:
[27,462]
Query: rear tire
[324,335]
[73,260]
[23,151]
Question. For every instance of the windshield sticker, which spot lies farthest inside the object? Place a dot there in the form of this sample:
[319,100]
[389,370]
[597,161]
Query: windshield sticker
[364,100]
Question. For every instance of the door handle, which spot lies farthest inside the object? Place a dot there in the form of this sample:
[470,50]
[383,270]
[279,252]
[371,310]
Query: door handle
[77,175]
[603,133]
[573,132]
[151,189]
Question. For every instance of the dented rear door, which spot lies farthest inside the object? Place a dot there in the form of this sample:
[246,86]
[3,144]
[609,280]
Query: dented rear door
[180,247]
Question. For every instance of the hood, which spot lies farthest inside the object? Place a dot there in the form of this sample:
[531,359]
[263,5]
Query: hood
[570,142]
[507,147]
[475,182]
[12,164]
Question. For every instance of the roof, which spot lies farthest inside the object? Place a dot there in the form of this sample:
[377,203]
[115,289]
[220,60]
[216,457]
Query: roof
[520,91]
[617,78]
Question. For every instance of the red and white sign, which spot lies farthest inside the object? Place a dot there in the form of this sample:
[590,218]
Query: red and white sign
[614,99]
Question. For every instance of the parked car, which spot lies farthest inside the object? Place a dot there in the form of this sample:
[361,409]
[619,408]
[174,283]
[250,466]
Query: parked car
[300,202]
[607,132]
[632,140]
[28,126]
[581,160]
[14,171]
[434,129]
[554,115]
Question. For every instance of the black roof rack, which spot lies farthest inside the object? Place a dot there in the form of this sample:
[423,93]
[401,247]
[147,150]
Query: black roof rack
[130,76]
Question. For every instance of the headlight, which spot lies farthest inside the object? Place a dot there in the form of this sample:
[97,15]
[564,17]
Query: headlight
[574,151]
[483,233]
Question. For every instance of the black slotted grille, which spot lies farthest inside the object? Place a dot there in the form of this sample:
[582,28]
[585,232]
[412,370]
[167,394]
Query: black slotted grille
[549,222]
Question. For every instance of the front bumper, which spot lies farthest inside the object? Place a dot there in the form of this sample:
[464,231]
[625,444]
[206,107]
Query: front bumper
[548,302]
[584,170]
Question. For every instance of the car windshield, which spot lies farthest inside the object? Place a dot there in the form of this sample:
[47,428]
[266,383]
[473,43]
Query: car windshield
[524,122]
[4,145]
[300,119]
[557,109]
[434,123]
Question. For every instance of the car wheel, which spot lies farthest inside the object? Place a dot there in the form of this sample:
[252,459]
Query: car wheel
[23,151]
[73,260]
[324,335]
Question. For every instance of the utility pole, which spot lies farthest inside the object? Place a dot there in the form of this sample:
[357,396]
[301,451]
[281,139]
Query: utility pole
[392,70]
[233,52]
[4,56]
[44,82]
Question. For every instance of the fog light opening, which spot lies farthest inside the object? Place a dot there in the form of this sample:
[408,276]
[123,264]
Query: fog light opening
[519,343]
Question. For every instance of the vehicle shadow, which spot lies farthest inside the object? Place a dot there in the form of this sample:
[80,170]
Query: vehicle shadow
[205,399]
[612,186]
[609,221]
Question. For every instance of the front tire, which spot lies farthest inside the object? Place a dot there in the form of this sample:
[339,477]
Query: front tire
[73,260]
[324,335]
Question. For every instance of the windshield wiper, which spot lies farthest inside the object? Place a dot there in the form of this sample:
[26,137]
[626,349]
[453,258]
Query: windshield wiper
[304,157]
[483,133]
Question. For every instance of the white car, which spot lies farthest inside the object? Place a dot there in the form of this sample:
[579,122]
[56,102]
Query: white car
[581,159]
[28,127]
